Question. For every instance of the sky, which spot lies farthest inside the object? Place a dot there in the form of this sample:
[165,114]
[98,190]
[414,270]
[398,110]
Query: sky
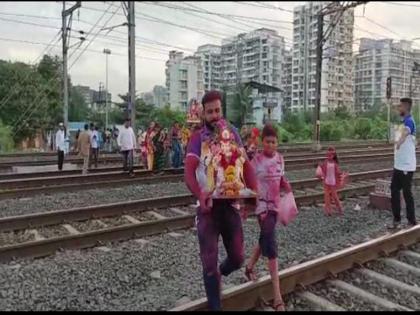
[26,29]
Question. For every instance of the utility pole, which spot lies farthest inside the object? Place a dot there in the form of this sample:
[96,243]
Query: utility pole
[131,62]
[317,116]
[319,48]
[106,52]
[388,97]
[66,39]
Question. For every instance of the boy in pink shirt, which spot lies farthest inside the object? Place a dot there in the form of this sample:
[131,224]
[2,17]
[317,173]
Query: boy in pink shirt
[269,169]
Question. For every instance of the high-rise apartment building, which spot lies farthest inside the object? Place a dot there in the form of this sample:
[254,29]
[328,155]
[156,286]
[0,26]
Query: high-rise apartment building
[254,56]
[287,79]
[184,79]
[210,58]
[160,96]
[337,65]
[376,61]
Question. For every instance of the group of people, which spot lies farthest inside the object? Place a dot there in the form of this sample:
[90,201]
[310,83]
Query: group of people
[162,148]
[264,173]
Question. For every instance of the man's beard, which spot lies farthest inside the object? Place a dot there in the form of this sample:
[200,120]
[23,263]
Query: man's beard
[211,125]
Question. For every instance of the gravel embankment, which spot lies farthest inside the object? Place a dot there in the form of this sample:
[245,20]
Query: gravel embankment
[62,200]
[154,276]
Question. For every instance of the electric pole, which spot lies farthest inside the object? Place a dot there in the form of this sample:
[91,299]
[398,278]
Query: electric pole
[317,116]
[129,8]
[319,48]
[66,39]
[106,52]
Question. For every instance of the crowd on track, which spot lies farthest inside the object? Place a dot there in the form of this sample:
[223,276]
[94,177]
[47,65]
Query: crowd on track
[230,175]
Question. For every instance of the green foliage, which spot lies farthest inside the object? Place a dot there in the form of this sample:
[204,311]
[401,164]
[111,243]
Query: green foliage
[31,96]
[147,113]
[362,128]
[78,109]
[298,125]
[241,105]
[166,117]
[284,135]
[331,131]
[6,141]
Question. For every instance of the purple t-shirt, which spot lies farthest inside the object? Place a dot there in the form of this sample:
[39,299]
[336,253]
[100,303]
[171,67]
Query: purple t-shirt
[199,146]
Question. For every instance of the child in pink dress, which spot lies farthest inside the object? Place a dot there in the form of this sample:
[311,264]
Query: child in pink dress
[269,168]
[331,177]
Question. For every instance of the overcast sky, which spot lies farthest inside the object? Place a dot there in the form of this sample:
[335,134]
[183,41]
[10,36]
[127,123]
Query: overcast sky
[398,21]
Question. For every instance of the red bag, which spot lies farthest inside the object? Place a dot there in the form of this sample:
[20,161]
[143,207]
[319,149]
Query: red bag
[288,209]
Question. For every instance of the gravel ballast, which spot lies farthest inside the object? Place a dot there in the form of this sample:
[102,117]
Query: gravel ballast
[154,275]
[391,294]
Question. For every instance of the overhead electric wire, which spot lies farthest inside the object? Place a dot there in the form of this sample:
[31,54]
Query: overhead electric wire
[253,18]
[55,77]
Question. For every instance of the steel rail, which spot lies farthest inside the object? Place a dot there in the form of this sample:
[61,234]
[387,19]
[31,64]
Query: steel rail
[247,296]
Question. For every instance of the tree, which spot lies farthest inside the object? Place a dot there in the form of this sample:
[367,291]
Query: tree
[167,117]
[78,109]
[241,105]
[21,91]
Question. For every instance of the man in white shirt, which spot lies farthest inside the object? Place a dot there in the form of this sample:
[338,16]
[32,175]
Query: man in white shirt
[60,145]
[94,147]
[404,165]
[127,143]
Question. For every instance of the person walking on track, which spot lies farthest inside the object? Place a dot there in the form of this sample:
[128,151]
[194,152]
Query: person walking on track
[150,134]
[127,144]
[176,146]
[269,169]
[220,216]
[60,145]
[404,165]
[94,145]
[83,147]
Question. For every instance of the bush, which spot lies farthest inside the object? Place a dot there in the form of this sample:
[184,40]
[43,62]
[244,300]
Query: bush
[6,140]
[283,135]
[331,131]
[362,128]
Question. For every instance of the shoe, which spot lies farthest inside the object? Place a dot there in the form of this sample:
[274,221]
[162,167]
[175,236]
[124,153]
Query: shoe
[411,224]
[394,226]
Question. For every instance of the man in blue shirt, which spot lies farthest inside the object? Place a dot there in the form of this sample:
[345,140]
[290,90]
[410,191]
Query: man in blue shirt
[404,165]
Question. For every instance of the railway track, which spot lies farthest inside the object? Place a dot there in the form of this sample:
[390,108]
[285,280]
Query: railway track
[103,155]
[41,234]
[325,283]
[138,167]
[27,186]
[288,147]
[7,163]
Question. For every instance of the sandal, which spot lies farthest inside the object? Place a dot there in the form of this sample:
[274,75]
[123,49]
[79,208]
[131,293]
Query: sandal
[250,274]
[279,307]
